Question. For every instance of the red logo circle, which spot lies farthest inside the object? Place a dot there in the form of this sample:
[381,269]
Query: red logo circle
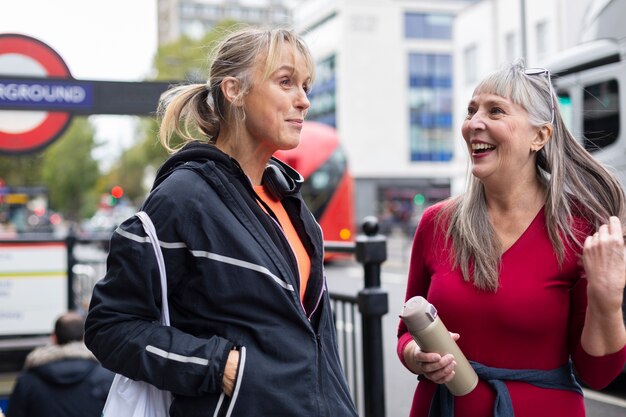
[43,132]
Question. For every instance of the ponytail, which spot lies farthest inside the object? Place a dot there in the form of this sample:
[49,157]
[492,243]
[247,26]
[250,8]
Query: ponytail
[187,111]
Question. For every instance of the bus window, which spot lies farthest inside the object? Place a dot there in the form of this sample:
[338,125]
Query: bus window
[328,186]
[600,115]
[322,184]
[566,109]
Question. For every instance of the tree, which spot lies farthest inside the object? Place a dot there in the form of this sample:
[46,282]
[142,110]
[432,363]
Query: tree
[188,59]
[184,60]
[70,172]
[21,170]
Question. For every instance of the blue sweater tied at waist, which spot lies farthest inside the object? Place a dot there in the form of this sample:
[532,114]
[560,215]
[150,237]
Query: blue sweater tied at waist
[442,404]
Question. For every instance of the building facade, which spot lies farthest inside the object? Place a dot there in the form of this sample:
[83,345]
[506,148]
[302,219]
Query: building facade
[384,80]
[193,18]
[394,77]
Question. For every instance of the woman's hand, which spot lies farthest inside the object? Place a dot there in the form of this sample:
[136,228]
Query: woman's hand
[230,372]
[605,267]
[437,368]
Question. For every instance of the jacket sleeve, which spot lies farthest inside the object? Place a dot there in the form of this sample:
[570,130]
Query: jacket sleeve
[122,328]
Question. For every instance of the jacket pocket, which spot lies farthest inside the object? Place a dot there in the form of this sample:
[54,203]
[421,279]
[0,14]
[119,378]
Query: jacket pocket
[225,406]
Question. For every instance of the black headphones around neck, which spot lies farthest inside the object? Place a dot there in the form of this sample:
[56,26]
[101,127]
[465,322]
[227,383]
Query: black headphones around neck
[277,183]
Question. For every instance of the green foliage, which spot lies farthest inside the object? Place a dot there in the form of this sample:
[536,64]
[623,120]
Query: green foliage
[136,165]
[65,168]
[184,60]
[187,59]
[21,170]
[180,60]
[70,172]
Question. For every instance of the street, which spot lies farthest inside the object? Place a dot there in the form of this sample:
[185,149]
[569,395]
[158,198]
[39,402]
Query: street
[346,277]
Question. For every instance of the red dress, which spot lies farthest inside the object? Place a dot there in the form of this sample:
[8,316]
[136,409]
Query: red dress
[533,321]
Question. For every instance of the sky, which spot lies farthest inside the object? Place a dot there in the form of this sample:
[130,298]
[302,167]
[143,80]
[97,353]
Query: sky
[98,40]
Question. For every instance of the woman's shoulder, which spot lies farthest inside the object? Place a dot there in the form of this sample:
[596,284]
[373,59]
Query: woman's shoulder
[436,216]
[441,210]
[182,183]
[437,208]
[182,191]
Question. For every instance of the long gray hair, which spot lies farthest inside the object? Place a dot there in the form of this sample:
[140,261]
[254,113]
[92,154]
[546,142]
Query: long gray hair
[203,106]
[576,184]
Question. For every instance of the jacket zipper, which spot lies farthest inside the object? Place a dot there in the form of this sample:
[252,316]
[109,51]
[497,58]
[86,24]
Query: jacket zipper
[272,216]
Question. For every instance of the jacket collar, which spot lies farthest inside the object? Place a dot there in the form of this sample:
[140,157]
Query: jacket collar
[202,152]
[198,152]
[52,353]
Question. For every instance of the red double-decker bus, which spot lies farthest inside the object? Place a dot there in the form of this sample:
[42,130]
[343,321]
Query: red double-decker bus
[328,186]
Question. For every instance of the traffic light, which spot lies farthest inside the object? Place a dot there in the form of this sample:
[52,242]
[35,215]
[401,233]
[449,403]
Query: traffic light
[116,193]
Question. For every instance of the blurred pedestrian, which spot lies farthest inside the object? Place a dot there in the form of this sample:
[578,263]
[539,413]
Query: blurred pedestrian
[63,379]
[7,229]
[252,331]
[502,263]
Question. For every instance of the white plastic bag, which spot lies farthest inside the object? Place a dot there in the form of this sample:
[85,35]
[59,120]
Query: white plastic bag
[130,398]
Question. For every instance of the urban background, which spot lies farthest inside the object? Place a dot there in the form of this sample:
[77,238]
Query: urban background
[393,77]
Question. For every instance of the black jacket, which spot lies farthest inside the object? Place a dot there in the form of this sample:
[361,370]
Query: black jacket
[60,381]
[232,283]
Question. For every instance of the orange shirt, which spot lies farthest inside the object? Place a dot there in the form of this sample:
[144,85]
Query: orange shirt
[304,262]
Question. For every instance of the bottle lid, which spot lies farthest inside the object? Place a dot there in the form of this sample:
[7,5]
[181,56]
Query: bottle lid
[417,313]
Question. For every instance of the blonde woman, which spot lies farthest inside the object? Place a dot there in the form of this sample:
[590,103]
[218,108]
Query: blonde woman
[252,330]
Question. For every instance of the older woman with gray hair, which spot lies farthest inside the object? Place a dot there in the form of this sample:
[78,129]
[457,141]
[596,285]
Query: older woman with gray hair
[502,262]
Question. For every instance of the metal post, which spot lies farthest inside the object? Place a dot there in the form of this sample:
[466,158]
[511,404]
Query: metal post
[523,29]
[371,251]
[70,242]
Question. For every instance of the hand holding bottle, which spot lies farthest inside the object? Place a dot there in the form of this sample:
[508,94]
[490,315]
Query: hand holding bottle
[440,369]
[444,362]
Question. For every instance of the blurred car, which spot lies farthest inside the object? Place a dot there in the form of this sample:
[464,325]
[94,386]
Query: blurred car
[107,220]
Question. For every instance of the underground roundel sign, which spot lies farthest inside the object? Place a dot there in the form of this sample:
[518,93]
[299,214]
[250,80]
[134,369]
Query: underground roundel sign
[31,73]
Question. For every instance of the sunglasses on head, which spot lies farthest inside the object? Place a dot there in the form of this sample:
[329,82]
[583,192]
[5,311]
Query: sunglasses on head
[542,71]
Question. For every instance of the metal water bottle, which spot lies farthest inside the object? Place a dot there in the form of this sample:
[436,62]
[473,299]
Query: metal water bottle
[431,335]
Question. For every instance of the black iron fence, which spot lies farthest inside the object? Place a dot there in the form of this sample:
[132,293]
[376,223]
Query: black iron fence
[360,341]
[370,250]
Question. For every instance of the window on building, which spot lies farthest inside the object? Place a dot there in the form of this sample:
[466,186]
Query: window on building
[236,13]
[600,115]
[194,29]
[427,26]
[470,56]
[430,107]
[323,97]
[541,37]
[566,109]
[187,10]
[255,14]
[510,50]
[210,11]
